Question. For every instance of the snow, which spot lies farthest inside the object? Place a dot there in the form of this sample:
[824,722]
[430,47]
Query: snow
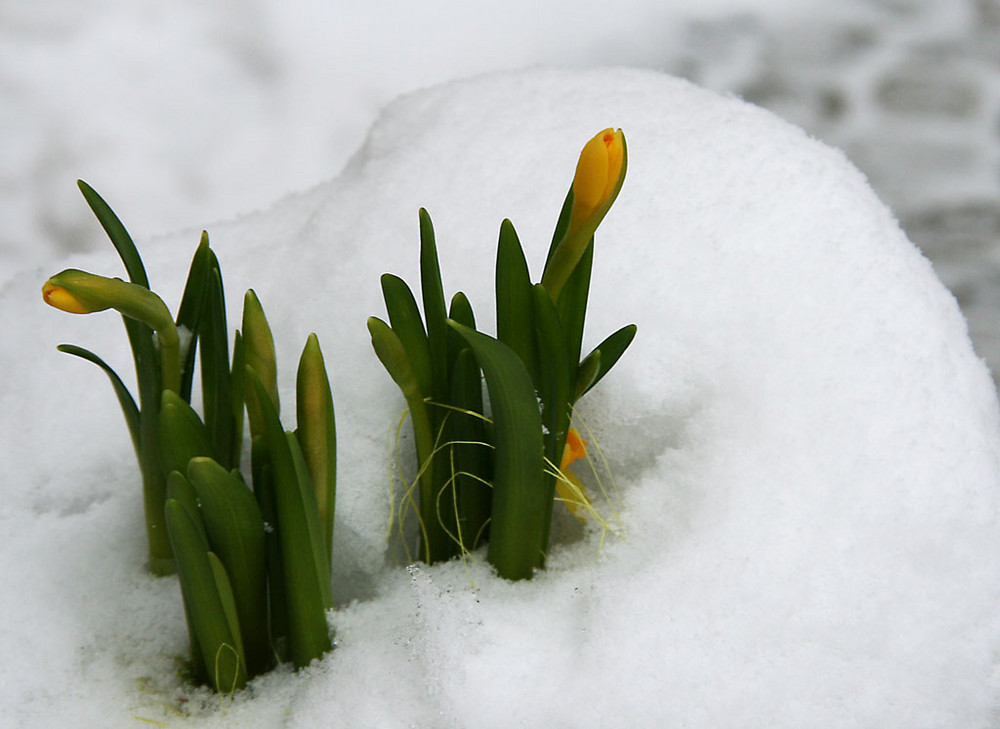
[805,445]
[193,112]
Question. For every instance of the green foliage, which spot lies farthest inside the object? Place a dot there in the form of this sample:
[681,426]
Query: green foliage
[494,480]
[253,565]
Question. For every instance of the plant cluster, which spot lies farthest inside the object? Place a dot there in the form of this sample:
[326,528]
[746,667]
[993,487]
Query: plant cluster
[253,563]
[494,479]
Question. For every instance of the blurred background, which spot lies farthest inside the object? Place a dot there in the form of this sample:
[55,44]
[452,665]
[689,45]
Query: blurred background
[189,112]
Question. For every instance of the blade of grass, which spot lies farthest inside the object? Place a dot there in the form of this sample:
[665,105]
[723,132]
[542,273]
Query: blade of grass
[521,496]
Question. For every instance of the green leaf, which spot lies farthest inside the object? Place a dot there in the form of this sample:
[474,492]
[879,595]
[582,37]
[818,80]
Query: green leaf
[161,560]
[554,374]
[258,351]
[572,308]
[181,435]
[606,355]
[562,225]
[297,526]
[263,488]
[237,398]
[459,310]
[470,454]
[120,238]
[317,433]
[311,520]
[392,354]
[521,495]
[204,602]
[235,530]
[395,359]
[586,374]
[180,490]
[216,377]
[404,317]
[189,312]
[515,311]
[432,292]
[228,600]
[129,409]
[147,367]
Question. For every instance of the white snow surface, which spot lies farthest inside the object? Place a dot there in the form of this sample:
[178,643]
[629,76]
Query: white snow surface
[805,445]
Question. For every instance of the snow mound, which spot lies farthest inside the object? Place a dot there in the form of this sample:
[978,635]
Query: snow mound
[805,445]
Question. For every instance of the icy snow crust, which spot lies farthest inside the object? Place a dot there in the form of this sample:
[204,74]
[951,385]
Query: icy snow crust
[805,445]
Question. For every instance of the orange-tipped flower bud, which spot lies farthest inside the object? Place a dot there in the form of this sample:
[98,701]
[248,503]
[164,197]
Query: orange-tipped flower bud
[62,299]
[80,292]
[599,174]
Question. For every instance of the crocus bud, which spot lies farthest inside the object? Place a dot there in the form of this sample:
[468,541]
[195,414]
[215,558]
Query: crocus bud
[599,176]
[62,299]
[600,173]
[79,292]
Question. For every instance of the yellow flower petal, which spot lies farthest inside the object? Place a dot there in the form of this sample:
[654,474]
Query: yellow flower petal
[574,450]
[62,299]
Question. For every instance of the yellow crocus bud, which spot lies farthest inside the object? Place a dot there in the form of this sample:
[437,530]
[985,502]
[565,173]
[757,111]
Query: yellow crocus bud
[62,299]
[80,292]
[600,173]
